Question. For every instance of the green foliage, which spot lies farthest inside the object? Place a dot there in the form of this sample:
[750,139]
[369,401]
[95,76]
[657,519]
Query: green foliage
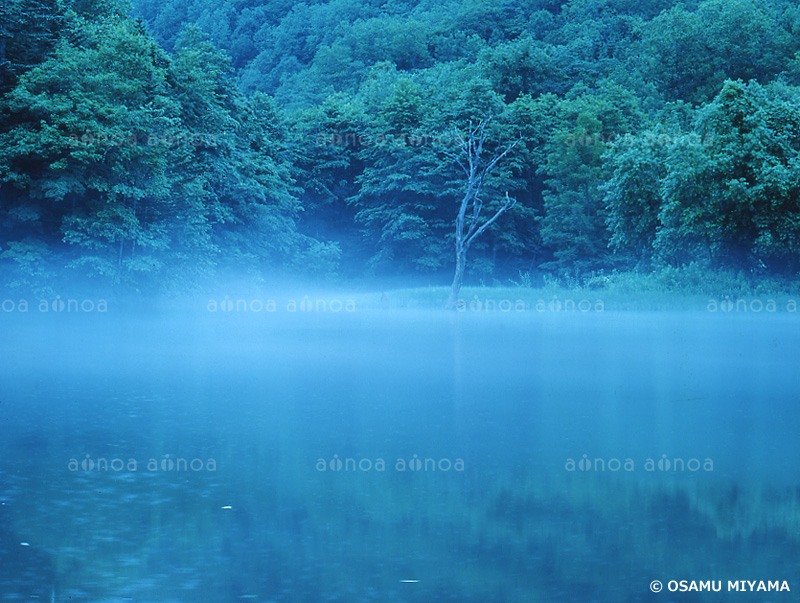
[314,137]
[521,66]
[690,53]
[84,117]
[575,217]
[726,192]
[28,33]
[150,167]
[632,192]
[738,196]
[29,271]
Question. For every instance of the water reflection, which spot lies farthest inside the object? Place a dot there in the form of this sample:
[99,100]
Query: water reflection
[515,398]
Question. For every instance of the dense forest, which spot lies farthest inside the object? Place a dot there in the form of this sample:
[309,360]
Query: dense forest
[161,144]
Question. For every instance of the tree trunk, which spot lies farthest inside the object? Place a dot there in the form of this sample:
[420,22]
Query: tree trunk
[458,278]
[469,222]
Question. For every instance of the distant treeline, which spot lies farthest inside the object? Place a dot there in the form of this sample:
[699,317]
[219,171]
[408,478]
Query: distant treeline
[164,143]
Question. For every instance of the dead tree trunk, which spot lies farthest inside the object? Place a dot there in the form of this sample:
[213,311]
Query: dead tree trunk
[469,222]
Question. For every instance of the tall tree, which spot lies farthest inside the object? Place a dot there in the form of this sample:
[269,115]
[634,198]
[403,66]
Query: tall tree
[574,221]
[471,221]
[736,199]
[138,166]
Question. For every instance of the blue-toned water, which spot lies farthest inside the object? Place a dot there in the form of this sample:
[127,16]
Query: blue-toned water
[396,456]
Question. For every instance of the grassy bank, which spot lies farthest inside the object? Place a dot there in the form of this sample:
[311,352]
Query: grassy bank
[687,289]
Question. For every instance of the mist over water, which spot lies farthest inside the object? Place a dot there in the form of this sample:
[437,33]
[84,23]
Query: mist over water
[331,457]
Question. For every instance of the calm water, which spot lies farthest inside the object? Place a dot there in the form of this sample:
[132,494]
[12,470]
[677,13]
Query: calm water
[396,456]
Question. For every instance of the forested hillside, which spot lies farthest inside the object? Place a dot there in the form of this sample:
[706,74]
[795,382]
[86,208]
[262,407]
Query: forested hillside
[160,144]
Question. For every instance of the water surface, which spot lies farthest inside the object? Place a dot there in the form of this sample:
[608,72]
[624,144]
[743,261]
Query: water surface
[216,427]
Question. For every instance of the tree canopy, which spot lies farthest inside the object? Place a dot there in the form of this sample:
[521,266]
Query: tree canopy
[159,143]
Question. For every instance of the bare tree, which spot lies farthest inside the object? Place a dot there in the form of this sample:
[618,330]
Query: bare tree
[469,222]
